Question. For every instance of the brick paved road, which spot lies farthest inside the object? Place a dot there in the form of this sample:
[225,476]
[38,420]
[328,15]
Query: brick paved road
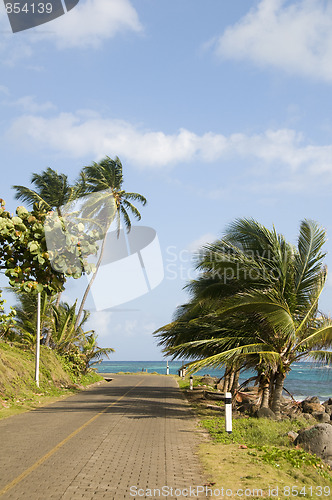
[134,432]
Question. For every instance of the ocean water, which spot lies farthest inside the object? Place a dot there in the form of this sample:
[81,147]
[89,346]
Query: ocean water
[304,380]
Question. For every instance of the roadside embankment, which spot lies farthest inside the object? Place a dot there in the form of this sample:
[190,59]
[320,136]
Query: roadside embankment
[18,390]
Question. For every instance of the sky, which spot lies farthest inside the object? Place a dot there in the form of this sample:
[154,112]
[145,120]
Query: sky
[217,109]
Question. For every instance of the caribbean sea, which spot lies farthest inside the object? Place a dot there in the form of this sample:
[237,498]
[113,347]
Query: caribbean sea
[304,380]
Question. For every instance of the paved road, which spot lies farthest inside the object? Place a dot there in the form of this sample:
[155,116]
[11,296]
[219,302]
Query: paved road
[118,440]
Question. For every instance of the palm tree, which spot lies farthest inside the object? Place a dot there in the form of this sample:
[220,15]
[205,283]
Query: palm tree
[257,302]
[92,352]
[66,335]
[52,190]
[105,180]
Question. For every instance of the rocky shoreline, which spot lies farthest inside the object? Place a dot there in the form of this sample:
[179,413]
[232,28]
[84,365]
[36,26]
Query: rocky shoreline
[317,438]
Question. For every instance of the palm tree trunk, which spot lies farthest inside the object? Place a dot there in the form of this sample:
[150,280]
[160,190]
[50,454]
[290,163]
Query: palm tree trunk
[48,337]
[235,384]
[265,395]
[88,288]
[277,393]
[58,298]
[231,380]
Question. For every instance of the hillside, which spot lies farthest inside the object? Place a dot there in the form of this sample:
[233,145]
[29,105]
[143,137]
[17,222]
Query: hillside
[18,390]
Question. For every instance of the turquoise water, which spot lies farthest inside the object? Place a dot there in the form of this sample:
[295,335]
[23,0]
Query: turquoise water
[305,379]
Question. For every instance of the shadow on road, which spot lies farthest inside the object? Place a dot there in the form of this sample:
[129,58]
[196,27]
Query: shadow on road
[143,401]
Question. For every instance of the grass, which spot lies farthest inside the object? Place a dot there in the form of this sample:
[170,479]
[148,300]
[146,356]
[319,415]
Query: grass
[18,390]
[258,456]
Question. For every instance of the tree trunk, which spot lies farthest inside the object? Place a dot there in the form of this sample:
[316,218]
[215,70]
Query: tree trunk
[58,298]
[88,288]
[265,394]
[48,337]
[231,380]
[235,384]
[277,393]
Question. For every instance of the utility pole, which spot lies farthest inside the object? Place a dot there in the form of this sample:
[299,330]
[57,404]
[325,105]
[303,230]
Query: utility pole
[37,341]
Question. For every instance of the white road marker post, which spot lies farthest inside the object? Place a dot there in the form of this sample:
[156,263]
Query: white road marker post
[228,412]
[191,385]
[167,369]
[37,341]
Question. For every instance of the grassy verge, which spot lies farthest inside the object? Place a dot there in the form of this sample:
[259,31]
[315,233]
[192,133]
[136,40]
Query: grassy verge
[18,390]
[258,460]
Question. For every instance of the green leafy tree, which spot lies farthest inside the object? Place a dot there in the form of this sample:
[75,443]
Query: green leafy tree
[24,254]
[7,320]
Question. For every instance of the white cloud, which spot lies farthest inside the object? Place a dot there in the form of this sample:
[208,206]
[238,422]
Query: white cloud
[197,244]
[82,134]
[86,134]
[295,37]
[29,104]
[86,26]
[91,22]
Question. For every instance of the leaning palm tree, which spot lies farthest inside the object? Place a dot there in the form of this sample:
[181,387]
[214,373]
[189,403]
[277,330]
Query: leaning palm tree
[259,295]
[52,190]
[105,180]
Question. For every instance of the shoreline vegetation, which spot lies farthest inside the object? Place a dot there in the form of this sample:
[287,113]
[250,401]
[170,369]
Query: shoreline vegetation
[260,455]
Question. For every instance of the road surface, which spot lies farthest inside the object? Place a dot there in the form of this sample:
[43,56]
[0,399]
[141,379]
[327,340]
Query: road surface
[118,440]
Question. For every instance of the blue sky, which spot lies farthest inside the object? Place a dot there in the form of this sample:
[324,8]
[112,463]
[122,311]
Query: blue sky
[217,110]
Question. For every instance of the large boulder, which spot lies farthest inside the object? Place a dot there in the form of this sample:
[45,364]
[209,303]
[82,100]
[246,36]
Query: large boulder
[313,399]
[321,417]
[309,406]
[265,413]
[207,380]
[318,440]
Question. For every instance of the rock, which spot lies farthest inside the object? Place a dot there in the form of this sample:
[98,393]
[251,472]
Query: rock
[292,435]
[265,413]
[321,417]
[312,407]
[313,399]
[207,380]
[318,440]
[328,402]
[328,409]
[307,416]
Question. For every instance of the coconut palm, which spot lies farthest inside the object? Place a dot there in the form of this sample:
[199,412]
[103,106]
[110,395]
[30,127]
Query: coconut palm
[259,296]
[66,335]
[92,353]
[110,200]
[52,190]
